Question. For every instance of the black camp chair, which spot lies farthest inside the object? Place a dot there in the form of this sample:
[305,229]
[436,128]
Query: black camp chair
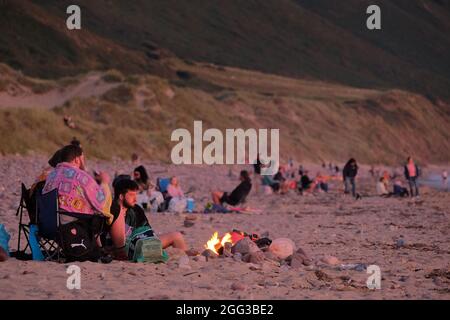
[42,231]
[24,228]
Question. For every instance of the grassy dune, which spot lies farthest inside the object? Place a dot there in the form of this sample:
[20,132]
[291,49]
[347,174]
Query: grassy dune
[317,121]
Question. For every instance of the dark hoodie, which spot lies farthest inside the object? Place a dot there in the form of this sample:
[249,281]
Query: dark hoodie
[349,170]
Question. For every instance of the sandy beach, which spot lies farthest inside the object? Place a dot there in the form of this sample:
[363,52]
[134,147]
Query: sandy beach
[323,225]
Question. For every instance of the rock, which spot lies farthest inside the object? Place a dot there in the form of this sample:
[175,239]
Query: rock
[301,253]
[237,257]
[284,268]
[270,256]
[169,93]
[282,248]
[245,246]
[227,250]
[175,253]
[400,243]
[330,260]
[200,258]
[238,286]
[322,276]
[254,267]
[191,217]
[188,223]
[209,254]
[296,261]
[255,257]
[183,262]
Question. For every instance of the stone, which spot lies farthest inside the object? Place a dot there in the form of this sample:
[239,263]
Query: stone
[183,262]
[227,247]
[282,248]
[238,286]
[330,260]
[169,93]
[237,257]
[209,254]
[255,258]
[188,223]
[270,256]
[300,258]
[254,267]
[175,253]
[200,258]
[245,246]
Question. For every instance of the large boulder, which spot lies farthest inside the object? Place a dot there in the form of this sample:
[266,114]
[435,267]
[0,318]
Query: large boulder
[282,248]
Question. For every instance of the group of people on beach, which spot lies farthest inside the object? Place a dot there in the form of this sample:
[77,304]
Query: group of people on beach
[123,202]
[283,180]
[122,206]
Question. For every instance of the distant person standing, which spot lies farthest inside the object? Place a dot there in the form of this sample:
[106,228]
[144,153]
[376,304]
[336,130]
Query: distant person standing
[349,174]
[257,173]
[411,174]
[444,180]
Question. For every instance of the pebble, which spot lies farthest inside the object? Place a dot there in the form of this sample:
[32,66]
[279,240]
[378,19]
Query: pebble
[237,257]
[254,267]
[330,260]
[200,258]
[209,254]
[245,246]
[188,223]
[238,286]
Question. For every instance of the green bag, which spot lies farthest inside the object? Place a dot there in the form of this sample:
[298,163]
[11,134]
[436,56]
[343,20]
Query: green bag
[144,246]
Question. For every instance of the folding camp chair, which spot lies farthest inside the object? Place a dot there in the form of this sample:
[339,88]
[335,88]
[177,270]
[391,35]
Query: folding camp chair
[24,228]
[49,220]
[163,184]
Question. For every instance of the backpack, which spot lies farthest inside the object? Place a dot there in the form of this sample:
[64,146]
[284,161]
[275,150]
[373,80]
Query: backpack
[144,246]
[77,241]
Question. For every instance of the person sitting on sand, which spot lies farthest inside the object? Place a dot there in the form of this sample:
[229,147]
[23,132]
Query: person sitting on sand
[268,180]
[78,192]
[174,190]
[305,182]
[282,180]
[399,190]
[145,186]
[238,195]
[382,189]
[128,216]
[320,183]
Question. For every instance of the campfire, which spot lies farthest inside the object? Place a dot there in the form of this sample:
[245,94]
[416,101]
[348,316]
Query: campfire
[217,245]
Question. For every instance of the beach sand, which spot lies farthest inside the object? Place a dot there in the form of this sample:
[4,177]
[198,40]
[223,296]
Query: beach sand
[364,231]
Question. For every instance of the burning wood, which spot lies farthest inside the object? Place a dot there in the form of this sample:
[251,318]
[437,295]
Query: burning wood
[216,245]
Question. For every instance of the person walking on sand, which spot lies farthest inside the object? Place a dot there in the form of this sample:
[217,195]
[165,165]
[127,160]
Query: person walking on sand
[349,174]
[411,174]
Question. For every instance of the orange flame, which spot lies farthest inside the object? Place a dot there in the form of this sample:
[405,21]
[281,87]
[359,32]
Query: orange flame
[214,244]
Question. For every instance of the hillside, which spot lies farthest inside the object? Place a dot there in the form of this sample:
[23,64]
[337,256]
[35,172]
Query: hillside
[322,40]
[317,121]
